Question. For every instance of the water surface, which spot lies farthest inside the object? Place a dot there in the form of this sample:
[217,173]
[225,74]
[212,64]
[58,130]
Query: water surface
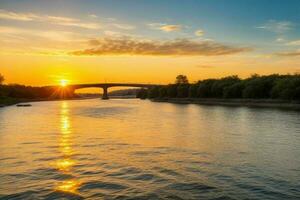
[133,149]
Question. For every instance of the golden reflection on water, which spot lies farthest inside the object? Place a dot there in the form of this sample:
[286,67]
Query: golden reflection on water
[65,147]
[68,186]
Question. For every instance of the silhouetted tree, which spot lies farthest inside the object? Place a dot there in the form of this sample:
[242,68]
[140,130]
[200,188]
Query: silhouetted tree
[259,86]
[162,92]
[142,93]
[204,89]
[193,90]
[287,88]
[234,91]
[183,90]
[1,79]
[181,79]
[172,91]
[217,89]
[153,92]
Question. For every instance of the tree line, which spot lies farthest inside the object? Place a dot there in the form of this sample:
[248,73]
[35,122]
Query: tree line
[275,86]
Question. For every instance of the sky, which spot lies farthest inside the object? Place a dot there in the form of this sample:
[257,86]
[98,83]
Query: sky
[138,41]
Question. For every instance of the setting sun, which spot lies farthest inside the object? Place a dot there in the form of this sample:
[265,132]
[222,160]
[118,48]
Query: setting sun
[63,82]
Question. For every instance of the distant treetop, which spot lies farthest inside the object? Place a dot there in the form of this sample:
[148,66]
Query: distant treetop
[1,79]
[181,79]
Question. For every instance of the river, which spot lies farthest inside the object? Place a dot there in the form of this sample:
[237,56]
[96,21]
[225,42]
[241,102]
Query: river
[137,149]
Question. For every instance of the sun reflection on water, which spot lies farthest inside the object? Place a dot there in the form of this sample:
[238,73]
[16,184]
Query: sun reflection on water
[69,186]
[65,147]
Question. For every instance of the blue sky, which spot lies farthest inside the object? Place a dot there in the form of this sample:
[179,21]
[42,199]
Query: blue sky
[228,21]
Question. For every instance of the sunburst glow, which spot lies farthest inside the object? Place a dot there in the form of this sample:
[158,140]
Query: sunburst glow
[64,82]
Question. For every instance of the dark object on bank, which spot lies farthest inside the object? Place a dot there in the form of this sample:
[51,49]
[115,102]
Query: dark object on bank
[24,105]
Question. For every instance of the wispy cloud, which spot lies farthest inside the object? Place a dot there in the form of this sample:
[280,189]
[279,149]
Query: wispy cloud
[123,26]
[289,53]
[17,16]
[178,47]
[58,20]
[63,36]
[294,43]
[277,26]
[93,16]
[199,32]
[165,27]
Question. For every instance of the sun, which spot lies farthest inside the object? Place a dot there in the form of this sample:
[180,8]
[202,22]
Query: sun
[63,82]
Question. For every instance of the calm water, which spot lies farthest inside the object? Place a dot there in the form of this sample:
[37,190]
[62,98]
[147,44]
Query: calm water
[133,149]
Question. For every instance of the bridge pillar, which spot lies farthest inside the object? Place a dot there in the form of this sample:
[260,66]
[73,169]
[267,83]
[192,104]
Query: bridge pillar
[105,94]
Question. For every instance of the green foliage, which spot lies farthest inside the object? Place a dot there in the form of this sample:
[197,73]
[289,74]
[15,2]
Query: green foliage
[205,88]
[162,92]
[183,90]
[142,94]
[172,91]
[272,86]
[287,88]
[153,92]
[193,90]
[259,87]
[234,91]
[219,85]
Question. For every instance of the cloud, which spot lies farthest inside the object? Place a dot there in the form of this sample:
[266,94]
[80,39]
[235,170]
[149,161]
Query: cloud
[294,43]
[170,28]
[58,20]
[17,16]
[123,26]
[280,39]
[277,26]
[199,32]
[45,34]
[178,47]
[165,27]
[93,16]
[289,53]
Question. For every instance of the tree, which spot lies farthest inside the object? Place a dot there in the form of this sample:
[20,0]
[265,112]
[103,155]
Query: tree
[183,90]
[233,91]
[172,91]
[142,93]
[162,92]
[217,89]
[204,88]
[1,79]
[153,92]
[181,79]
[193,90]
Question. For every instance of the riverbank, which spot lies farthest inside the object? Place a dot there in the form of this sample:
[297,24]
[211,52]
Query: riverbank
[7,101]
[263,103]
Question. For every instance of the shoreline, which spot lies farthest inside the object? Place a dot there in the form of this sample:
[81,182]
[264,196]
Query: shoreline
[12,101]
[261,103]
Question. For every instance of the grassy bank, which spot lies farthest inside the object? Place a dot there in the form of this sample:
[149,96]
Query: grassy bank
[264,103]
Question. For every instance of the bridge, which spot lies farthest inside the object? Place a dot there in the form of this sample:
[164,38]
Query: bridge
[105,86]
